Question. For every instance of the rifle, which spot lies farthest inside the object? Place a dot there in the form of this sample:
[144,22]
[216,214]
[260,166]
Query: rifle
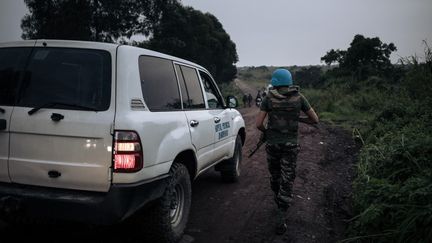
[261,141]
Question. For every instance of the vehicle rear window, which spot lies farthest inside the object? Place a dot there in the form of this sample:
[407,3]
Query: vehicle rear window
[80,77]
[159,84]
[12,63]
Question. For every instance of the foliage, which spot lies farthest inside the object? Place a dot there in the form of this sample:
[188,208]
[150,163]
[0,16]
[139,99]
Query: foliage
[308,76]
[333,56]
[196,36]
[393,188]
[364,57]
[92,20]
[169,27]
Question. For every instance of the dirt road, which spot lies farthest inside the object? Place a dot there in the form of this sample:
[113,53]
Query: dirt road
[245,211]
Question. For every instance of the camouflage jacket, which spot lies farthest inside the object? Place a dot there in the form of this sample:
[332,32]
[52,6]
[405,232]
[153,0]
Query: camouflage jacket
[283,106]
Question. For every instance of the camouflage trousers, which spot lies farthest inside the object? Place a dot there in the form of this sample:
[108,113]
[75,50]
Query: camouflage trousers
[281,161]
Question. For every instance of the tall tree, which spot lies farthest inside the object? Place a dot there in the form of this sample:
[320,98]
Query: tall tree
[333,56]
[365,56]
[193,35]
[369,53]
[171,28]
[95,20]
[57,19]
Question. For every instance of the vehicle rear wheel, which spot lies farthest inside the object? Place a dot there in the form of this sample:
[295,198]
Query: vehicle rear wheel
[231,169]
[166,220]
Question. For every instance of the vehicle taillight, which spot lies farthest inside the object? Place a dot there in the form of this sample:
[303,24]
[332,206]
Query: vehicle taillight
[127,153]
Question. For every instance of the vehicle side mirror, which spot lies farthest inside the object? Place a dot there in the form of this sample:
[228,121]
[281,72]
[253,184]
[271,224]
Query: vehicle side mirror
[231,101]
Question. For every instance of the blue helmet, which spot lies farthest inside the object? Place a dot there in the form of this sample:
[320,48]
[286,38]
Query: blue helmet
[281,77]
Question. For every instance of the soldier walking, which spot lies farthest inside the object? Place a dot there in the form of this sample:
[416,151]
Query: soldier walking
[249,99]
[282,105]
[245,99]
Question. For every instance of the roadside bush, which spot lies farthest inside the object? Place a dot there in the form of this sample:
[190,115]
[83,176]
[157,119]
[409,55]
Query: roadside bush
[393,189]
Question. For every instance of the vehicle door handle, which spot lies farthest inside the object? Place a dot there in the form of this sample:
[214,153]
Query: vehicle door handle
[194,123]
[2,124]
[216,119]
[56,117]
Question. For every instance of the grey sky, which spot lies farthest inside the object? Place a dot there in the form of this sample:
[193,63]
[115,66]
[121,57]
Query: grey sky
[295,32]
[11,13]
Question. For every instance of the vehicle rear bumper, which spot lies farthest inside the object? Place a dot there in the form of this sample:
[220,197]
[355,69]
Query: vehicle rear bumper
[121,201]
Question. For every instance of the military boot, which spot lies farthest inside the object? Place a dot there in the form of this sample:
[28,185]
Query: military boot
[281,225]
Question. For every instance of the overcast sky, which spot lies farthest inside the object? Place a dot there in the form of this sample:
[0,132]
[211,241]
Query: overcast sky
[295,32]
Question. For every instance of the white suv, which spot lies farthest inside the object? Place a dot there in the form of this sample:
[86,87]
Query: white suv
[93,132]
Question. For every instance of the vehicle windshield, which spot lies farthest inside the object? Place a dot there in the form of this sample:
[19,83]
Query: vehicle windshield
[66,75]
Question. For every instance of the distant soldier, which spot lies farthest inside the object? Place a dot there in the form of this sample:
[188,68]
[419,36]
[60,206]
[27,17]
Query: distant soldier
[250,99]
[283,104]
[258,99]
[245,100]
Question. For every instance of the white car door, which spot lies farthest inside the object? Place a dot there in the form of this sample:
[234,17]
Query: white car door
[201,120]
[223,127]
[12,63]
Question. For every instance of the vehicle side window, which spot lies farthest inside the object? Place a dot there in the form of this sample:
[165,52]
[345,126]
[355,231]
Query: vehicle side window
[214,99]
[12,62]
[159,84]
[191,88]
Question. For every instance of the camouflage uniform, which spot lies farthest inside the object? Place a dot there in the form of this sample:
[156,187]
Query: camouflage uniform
[283,106]
[281,161]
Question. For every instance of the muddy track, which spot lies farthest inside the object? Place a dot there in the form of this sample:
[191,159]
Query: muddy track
[245,211]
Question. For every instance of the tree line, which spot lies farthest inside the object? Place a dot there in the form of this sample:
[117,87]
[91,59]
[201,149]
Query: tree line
[365,57]
[167,26]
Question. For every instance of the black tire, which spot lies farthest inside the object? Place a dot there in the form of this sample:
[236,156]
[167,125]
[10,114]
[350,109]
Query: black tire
[231,169]
[166,220]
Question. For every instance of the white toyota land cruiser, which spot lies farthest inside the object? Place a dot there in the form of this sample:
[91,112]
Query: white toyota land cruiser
[93,132]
